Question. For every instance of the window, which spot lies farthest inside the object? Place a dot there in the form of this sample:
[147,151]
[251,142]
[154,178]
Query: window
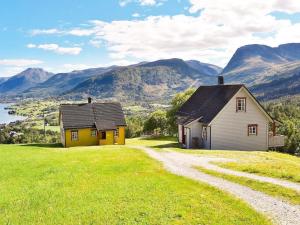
[103,135]
[204,133]
[74,135]
[117,132]
[252,129]
[241,104]
[93,133]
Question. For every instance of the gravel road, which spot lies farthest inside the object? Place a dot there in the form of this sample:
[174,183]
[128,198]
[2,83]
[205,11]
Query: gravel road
[280,212]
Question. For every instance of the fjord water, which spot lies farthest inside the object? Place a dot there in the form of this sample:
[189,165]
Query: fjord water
[7,118]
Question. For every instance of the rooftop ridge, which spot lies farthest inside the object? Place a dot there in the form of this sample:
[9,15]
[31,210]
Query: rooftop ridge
[85,103]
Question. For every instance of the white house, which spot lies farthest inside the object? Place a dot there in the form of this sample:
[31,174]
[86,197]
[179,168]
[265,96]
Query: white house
[226,117]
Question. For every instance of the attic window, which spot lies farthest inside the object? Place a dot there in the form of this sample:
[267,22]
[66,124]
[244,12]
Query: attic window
[252,129]
[240,104]
[74,135]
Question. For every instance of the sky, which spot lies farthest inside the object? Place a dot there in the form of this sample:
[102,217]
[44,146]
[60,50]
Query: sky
[66,35]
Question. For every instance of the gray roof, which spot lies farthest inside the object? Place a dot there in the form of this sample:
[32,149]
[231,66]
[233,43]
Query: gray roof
[105,125]
[104,116]
[206,103]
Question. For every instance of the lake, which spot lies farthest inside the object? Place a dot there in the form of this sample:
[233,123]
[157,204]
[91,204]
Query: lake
[7,118]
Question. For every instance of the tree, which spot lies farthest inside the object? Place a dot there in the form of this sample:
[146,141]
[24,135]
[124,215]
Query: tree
[157,123]
[134,126]
[288,112]
[176,103]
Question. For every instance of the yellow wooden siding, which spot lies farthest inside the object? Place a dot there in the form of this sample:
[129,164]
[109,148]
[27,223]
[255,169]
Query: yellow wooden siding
[109,138]
[84,138]
[120,140]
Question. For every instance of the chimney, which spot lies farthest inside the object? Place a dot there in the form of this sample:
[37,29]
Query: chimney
[220,80]
[89,100]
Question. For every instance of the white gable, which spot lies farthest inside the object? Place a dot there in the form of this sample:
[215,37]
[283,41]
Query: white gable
[229,129]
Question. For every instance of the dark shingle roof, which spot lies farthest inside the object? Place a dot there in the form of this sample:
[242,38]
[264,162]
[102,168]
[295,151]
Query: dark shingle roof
[206,103]
[105,125]
[88,115]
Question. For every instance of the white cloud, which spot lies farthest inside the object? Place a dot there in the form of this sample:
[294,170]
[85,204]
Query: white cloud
[142,2]
[57,49]
[147,2]
[20,62]
[124,2]
[210,36]
[81,32]
[96,43]
[45,31]
[136,15]
[75,32]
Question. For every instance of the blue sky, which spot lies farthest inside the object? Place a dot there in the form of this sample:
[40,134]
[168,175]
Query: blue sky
[66,35]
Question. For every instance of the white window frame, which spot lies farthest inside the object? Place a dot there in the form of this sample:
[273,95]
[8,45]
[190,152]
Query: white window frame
[94,133]
[241,104]
[74,135]
[252,129]
[116,132]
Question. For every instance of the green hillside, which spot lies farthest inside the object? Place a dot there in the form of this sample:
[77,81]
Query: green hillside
[46,184]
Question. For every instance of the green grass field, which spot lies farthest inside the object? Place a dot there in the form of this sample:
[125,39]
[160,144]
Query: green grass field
[46,184]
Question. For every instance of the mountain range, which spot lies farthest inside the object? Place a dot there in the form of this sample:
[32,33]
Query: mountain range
[269,72]
[144,81]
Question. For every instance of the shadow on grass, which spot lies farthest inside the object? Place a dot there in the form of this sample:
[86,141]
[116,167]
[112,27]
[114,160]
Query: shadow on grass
[159,138]
[171,145]
[56,145]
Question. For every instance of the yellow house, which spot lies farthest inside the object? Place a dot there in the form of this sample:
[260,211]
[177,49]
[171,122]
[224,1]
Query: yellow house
[92,124]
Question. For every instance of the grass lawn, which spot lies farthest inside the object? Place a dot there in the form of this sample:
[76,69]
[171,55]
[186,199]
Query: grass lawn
[287,194]
[154,142]
[272,164]
[45,184]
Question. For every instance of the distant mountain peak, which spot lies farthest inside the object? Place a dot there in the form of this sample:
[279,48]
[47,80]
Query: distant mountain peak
[24,80]
[263,55]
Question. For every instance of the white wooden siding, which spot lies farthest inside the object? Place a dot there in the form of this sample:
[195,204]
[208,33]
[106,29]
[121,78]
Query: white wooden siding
[188,139]
[180,133]
[195,131]
[206,143]
[229,130]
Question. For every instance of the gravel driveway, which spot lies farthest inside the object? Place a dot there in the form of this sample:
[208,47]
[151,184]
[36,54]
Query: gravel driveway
[182,164]
[206,162]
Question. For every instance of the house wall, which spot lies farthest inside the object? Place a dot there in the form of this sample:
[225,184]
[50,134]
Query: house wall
[84,138]
[180,133]
[120,140]
[206,143]
[229,130]
[188,138]
[195,130]
[109,138]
